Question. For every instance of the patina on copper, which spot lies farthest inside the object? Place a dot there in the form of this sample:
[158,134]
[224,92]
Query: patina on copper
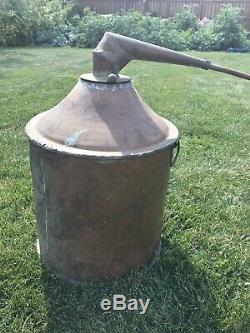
[100,163]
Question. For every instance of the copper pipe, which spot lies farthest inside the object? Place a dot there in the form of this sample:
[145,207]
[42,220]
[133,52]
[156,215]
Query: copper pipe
[115,51]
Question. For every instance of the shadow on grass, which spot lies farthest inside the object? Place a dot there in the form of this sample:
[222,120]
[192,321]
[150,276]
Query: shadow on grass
[182,300]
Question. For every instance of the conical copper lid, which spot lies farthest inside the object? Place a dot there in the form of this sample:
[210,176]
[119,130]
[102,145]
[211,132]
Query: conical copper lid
[103,115]
[98,119]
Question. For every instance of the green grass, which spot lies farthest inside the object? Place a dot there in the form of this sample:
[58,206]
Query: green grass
[199,283]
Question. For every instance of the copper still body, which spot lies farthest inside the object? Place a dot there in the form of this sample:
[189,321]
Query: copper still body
[100,163]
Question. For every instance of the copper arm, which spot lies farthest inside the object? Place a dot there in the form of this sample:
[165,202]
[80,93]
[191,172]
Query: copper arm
[115,51]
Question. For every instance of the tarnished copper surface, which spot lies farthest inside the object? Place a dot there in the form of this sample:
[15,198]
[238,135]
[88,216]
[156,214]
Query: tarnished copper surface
[102,119]
[100,163]
[98,218]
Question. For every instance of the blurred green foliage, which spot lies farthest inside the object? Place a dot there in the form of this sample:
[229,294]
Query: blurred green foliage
[54,22]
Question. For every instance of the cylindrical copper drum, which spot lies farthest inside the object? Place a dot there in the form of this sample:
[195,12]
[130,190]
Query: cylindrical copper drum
[100,163]
[97,217]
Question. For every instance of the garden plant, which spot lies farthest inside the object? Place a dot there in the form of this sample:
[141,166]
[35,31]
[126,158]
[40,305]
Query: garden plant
[39,22]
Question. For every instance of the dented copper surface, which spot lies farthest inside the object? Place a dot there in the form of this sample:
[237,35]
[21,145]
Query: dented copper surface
[100,163]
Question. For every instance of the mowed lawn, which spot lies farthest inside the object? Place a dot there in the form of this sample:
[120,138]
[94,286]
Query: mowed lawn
[200,282]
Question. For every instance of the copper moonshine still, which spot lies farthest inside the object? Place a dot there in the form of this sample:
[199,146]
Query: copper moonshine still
[100,163]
